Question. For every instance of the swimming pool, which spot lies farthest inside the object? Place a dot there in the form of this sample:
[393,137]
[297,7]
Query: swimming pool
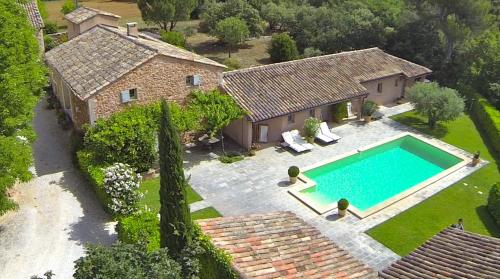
[371,177]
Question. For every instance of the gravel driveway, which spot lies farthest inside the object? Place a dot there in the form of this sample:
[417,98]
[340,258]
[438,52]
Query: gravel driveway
[58,211]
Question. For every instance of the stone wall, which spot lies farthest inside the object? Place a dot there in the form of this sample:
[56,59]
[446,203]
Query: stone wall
[160,78]
[80,112]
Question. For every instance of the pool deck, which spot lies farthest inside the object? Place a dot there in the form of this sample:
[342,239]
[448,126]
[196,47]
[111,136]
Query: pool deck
[259,184]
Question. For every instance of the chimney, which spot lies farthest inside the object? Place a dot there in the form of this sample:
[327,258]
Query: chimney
[132,29]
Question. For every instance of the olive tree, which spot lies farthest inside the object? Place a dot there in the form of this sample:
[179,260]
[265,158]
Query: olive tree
[166,13]
[232,31]
[435,102]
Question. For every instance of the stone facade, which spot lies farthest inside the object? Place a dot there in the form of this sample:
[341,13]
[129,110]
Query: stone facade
[160,78]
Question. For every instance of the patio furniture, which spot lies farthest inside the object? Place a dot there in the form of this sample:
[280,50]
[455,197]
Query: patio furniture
[208,141]
[290,142]
[323,128]
[298,139]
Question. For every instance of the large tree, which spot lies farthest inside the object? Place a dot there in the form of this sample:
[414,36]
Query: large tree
[435,102]
[283,48]
[218,11]
[232,31]
[166,13]
[175,222]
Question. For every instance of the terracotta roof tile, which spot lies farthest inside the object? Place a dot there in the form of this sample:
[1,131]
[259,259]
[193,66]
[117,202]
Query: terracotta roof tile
[452,253]
[33,14]
[280,245]
[282,88]
[101,55]
[83,13]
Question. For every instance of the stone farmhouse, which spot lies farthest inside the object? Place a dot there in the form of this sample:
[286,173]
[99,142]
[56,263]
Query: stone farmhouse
[105,68]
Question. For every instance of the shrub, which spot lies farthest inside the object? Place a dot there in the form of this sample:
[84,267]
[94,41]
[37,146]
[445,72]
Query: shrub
[68,7]
[343,204]
[494,202]
[50,27]
[142,227]
[126,261]
[173,38]
[49,42]
[311,127]
[121,183]
[312,52]
[94,175]
[128,137]
[487,117]
[369,108]
[339,111]
[283,48]
[232,64]
[231,158]
[293,171]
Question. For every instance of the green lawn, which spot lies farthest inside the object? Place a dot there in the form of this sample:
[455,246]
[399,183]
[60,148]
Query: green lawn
[205,213]
[410,229]
[150,189]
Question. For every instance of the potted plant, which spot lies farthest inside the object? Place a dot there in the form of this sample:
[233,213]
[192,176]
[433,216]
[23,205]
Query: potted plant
[253,149]
[311,128]
[293,172]
[342,206]
[368,109]
[475,159]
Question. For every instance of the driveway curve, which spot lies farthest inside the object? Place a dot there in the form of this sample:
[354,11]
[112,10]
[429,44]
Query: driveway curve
[58,211]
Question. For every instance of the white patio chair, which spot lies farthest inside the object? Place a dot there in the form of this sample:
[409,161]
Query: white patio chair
[290,142]
[323,127]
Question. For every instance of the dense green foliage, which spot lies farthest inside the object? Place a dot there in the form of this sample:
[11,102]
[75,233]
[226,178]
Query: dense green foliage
[94,174]
[232,31]
[22,77]
[293,171]
[435,102]
[231,158]
[311,127]
[283,48]
[126,261]
[140,227]
[126,137]
[68,6]
[343,204]
[339,112]
[368,108]
[494,202]
[280,16]
[232,64]
[465,199]
[175,222]
[166,13]
[488,118]
[218,11]
[173,38]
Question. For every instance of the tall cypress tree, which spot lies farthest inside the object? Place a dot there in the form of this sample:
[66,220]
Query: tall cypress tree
[175,222]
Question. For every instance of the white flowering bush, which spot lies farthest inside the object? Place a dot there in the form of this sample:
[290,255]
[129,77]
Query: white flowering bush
[121,183]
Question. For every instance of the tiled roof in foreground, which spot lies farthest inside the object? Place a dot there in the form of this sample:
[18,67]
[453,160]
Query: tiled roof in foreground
[452,253]
[83,13]
[278,89]
[103,54]
[281,245]
[33,14]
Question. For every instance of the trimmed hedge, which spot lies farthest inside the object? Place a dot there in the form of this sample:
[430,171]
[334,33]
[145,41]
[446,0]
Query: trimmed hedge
[487,118]
[143,226]
[494,202]
[94,175]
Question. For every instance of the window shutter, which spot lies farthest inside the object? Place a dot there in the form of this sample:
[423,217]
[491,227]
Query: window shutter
[196,80]
[125,95]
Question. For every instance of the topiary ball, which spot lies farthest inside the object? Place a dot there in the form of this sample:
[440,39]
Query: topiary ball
[343,204]
[293,171]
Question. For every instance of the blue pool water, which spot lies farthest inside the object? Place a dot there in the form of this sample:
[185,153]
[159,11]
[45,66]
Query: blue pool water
[377,174]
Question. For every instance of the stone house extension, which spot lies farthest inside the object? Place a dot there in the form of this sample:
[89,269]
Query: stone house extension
[107,68]
[35,19]
[280,97]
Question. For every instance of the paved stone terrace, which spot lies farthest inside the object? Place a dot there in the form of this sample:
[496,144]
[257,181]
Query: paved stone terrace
[259,184]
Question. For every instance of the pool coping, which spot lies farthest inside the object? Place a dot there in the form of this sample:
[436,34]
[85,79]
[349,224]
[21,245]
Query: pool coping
[306,182]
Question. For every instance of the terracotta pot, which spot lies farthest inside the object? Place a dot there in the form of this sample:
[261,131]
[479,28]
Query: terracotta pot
[342,212]
[368,118]
[293,179]
[310,140]
[475,161]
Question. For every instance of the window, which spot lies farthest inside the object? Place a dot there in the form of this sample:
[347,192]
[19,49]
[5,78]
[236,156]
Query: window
[417,79]
[291,118]
[129,95]
[312,113]
[193,80]
[379,88]
[396,82]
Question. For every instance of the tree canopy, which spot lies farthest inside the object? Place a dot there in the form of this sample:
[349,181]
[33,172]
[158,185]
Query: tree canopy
[218,11]
[283,48]
[166,13]
[232,31]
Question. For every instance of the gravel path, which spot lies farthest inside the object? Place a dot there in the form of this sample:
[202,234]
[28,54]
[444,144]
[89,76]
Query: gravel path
[58,211]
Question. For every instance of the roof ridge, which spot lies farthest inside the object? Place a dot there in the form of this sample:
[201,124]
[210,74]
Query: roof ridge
[302,60]
[112,30]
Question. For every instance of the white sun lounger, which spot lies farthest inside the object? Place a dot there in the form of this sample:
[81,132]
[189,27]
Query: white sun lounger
[290,142]
[323,127]
[323,138]
[298,139]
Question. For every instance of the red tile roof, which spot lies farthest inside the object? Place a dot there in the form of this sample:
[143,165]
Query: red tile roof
[452,253]
[278,89]
[281,245]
